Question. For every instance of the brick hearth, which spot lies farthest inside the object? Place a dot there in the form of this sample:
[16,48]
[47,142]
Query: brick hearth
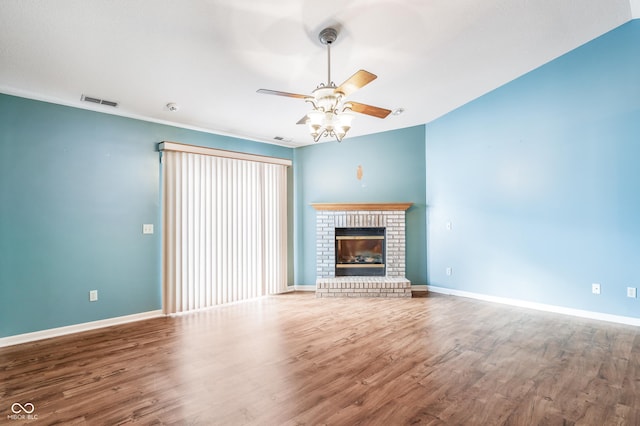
[363,287]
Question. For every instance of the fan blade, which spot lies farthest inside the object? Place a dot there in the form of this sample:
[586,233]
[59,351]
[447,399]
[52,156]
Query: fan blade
[277,92]
[303,120]
[369,110]
[355,82]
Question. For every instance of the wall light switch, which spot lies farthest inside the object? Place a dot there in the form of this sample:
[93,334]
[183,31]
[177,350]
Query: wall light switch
[147,228]
[631,292]
[449,271]
[595,288]
[93,295]
[449,226]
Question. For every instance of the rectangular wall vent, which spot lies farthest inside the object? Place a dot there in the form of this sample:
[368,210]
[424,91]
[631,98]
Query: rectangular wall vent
[98,101]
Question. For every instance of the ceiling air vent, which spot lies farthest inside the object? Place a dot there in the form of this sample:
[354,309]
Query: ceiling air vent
[91,99]
[283,139]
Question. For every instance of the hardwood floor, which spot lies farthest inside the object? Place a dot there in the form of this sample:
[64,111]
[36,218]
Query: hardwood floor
[297,360]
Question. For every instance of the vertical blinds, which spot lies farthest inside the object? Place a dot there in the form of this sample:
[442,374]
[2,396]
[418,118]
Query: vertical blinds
[224,228]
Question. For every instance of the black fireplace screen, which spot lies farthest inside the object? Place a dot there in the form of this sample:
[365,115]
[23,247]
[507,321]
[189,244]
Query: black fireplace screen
[360,251]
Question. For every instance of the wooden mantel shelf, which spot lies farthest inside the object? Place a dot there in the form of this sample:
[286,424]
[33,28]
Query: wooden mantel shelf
[361,206]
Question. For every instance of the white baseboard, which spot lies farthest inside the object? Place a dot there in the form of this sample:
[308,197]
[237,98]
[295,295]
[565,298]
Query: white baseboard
[539,306]
[305,287]
[76,328]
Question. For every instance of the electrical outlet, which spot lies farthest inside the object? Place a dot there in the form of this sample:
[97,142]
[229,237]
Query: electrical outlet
[595,288]
[449,270]
[631,292]
[147,228]
[93,295]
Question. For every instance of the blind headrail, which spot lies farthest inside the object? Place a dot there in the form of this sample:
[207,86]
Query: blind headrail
[194,149]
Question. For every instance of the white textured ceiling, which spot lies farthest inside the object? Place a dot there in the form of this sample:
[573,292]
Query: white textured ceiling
[210,56]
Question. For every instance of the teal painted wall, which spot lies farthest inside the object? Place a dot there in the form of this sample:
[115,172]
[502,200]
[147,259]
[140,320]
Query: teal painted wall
[75,188]
[393,166]
[540,180]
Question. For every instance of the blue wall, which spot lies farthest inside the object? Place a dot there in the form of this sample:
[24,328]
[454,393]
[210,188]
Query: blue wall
[393,165]
[75,188]
[541,183]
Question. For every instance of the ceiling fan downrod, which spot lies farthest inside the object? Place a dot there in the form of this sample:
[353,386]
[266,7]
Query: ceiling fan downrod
[327,37]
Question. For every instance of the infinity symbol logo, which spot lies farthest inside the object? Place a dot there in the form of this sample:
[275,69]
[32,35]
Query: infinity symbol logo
[18,408]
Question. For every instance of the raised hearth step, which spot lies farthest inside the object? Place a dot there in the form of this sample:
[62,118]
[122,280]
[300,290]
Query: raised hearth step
[363,287]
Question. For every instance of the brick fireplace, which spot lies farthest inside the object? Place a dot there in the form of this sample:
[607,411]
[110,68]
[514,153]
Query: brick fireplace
[390,217]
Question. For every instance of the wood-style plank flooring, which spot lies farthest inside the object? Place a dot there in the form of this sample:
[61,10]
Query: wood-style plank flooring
[297,360]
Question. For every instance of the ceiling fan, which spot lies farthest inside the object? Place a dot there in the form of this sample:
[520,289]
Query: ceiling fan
[331,115]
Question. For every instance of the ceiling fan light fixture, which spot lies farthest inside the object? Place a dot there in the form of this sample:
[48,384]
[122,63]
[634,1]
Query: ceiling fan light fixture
[329,117]
[329,124]
[345,119]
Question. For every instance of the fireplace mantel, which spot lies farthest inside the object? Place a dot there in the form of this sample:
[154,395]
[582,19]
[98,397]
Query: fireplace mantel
[361,206]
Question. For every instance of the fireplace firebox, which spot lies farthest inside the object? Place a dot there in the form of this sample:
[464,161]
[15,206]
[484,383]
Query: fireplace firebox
[360,251]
